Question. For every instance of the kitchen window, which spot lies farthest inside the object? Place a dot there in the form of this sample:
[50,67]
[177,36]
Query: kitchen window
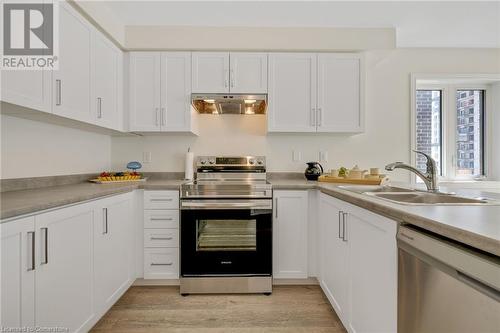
[449,125]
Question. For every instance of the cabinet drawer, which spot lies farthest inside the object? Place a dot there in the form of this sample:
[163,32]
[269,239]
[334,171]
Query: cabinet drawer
[161,238]
[158,219]
[161,263]
[161,199]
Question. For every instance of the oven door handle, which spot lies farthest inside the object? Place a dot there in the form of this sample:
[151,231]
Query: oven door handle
[266,204]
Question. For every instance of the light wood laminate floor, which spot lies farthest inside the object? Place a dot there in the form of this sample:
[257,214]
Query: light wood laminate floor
[162,309]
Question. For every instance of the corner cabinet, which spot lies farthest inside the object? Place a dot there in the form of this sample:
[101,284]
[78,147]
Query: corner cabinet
[358,270]
[67,266]
[315,92]
[160,92]
[290,215]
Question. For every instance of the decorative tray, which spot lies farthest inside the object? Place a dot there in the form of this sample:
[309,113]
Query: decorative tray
[359,181]
[114,180]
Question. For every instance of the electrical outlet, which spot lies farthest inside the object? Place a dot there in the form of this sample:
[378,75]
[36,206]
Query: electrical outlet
[146,157]
[323,156]
[296,156]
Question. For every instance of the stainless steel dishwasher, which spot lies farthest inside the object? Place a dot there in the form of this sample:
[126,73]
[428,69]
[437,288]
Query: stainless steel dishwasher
[444,286]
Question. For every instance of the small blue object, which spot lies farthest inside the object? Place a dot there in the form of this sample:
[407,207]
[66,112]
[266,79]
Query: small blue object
[134,165]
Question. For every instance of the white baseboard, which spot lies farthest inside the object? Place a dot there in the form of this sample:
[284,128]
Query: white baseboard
[176,282]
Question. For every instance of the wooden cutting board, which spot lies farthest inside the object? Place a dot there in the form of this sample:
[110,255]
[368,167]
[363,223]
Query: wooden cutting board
[330,179]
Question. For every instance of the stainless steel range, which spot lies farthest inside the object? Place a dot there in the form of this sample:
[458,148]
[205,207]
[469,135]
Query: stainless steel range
[226,227]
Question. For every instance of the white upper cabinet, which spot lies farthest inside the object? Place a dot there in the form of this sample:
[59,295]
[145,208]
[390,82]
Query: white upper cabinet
[31,89]
[71,83]
[292,92]
[160,92]
[339,93]
[17,274]
[107,85]
[311,92]
[145,99]
[224,72]
[248,72]
[290,234]
[176,91]
[210,72]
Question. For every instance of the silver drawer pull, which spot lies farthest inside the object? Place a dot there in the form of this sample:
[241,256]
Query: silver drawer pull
[160,238]
[160,219]
[31,250]
[160,264]
[45,246]
[161,199]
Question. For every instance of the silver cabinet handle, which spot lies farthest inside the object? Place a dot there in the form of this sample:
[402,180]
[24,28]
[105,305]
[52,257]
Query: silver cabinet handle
[163,116]
[319,117]
[340,214]
[157,111]
[45,246]
[226,74]
[31,250]
[160,199]
[58,92]
[160,238]
[105,221]
[160,264]
[231,77]
[344,224]
[160,219]
[99,107]
[313,117]
[276,207]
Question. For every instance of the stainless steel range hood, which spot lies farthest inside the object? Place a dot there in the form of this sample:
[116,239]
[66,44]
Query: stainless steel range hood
[229,103]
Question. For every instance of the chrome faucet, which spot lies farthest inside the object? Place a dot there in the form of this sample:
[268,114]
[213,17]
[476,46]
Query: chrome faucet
[429,178]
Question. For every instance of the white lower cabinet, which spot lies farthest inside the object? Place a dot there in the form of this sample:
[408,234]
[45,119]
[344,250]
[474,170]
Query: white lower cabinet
[63,283]
[113,250]
[66,267]
[333,253]
[17,274]
[358,270]
[161,234]
[290,214]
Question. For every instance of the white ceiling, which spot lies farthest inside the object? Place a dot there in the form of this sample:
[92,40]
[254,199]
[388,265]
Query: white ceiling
[417,24]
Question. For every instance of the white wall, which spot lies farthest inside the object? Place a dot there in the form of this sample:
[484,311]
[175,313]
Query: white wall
[387,136]
[32,149]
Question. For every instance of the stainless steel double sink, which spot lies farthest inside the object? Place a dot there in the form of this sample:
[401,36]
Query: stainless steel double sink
[408,196]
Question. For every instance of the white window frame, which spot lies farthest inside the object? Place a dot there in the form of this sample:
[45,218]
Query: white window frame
[449,84]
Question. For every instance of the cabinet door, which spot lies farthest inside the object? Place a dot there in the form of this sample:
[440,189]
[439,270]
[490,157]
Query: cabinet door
[63,286]
[248,72]
[145,100]
[176,91]
[210,72]
[112,250]
[290,234]
[292,92]
[71,87]
[17,273]
[373,272]
[339,83]
[334,255]
[31,89]
[106,65]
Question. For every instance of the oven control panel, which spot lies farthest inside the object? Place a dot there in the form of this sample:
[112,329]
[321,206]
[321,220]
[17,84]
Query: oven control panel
[230,161]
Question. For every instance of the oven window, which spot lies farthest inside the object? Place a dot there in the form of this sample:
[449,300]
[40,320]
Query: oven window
[226,235]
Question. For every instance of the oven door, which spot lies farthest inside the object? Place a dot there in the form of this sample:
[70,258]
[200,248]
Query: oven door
[226,237]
